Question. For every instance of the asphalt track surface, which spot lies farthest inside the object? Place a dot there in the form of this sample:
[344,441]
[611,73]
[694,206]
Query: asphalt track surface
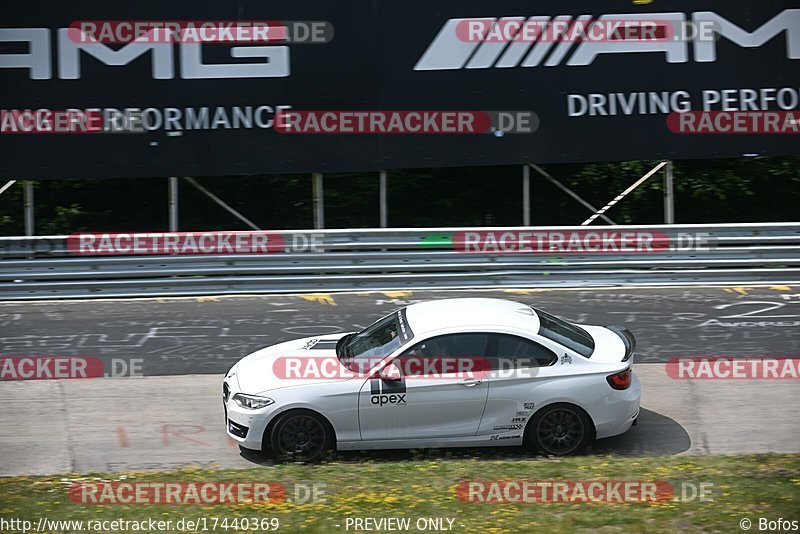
[162,422]
[207,335]
[156,423]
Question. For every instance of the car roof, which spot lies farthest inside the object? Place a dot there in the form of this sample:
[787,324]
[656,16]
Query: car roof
[470,313]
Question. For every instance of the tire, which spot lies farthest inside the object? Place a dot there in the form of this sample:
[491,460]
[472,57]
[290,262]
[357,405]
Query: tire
[300,435]
[560,430]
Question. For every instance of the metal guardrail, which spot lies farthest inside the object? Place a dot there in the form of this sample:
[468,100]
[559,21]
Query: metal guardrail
[394,259]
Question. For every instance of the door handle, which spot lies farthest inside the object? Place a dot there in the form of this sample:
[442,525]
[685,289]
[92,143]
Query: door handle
[470,382]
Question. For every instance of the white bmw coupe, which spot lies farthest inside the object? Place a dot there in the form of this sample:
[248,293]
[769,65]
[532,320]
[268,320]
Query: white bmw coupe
[465,372]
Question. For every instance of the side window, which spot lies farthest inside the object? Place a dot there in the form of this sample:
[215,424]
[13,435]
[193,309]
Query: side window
[449,346]
[521,353]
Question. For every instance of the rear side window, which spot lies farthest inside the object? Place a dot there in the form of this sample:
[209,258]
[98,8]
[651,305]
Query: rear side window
[514,352]
[567,334]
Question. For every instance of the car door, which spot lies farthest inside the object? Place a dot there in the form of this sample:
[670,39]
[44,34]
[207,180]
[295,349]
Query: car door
[520,367]
[425,404]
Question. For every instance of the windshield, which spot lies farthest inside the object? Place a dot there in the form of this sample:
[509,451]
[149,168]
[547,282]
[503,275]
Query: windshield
[571,336]
[359,352]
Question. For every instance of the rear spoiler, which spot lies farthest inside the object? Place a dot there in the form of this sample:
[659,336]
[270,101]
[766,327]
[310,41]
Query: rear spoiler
[627,338]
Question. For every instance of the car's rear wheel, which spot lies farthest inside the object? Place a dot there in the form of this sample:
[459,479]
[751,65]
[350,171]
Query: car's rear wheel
[300,435]
[560,429]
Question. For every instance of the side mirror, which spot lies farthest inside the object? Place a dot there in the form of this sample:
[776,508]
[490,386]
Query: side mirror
[390,373]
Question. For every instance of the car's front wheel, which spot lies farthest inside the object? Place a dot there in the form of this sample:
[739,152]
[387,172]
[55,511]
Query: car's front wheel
[560,429]
[300,435]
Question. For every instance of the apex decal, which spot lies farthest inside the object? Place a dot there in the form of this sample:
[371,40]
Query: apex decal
[383,392]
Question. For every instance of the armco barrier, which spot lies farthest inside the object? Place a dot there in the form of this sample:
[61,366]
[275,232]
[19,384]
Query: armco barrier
[408,258]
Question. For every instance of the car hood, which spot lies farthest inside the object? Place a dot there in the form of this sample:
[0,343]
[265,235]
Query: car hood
[265,369]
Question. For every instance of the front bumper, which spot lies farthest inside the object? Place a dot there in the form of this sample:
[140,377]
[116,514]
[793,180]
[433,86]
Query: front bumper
[244,426]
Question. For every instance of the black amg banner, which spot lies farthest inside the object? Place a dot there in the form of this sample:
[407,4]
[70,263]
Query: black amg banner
[96,89]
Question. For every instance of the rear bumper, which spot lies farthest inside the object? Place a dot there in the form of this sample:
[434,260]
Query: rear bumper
[616,412]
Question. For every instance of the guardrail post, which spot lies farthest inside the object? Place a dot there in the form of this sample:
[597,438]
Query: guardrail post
[383,205]
[669,195]
[317,197]
[173,203]
[526,195]
[27,206]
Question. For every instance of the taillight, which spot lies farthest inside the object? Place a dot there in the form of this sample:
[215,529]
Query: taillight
[621,380]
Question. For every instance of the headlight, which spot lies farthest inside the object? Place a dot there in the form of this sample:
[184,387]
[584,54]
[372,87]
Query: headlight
[251,402]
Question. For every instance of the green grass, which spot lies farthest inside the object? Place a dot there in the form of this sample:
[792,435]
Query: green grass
[422,485]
